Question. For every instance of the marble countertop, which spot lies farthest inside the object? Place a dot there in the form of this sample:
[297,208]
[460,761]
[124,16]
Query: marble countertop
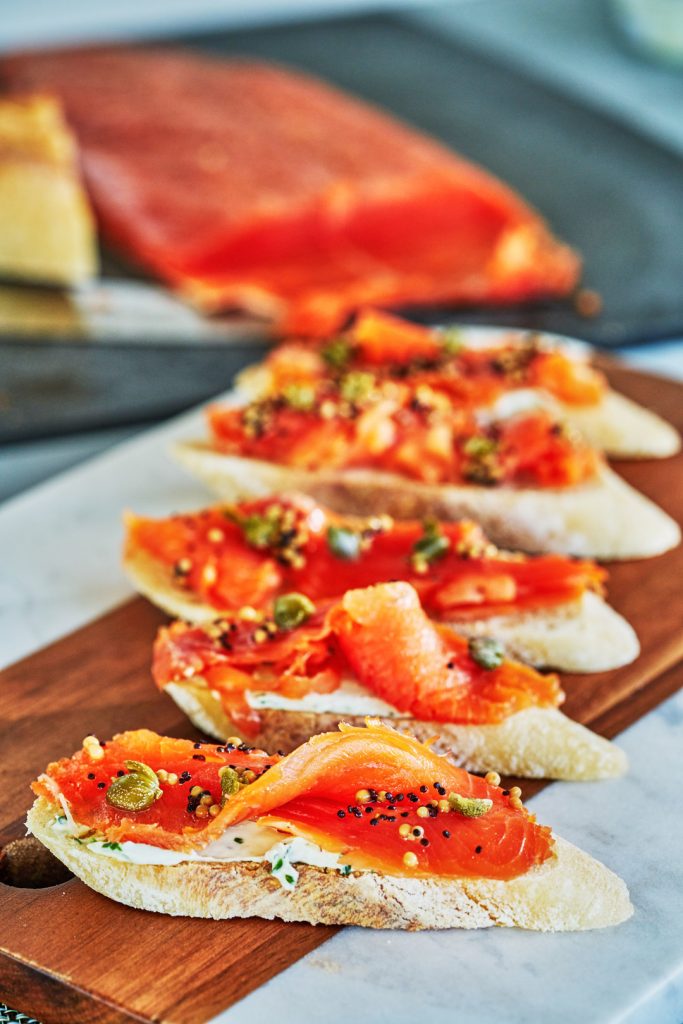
[60,569]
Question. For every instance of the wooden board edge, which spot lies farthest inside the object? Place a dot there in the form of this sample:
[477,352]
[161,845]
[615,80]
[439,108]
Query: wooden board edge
[54,1000]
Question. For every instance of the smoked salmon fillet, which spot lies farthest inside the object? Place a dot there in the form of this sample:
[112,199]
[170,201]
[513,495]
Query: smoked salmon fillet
[246,185]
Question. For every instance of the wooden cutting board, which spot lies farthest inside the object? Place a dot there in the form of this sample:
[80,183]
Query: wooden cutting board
[67,953]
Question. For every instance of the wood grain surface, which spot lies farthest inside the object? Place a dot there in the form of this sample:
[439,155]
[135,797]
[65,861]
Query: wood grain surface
[70,954]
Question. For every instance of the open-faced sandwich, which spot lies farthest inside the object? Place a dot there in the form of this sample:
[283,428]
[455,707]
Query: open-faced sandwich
[279,679]
[484,368]
[546,609]
[362,443]
[363,826]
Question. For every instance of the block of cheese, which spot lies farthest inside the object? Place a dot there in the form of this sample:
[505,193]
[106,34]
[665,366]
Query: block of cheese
[48,232]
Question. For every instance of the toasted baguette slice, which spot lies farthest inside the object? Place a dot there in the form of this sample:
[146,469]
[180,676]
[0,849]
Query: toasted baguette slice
[579,636]
[606,518]
[537,743]
[585,635]
[48,231]
[622,428]
[570,892]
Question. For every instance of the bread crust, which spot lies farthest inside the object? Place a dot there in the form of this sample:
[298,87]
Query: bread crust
[622,428]
[536,743]
[570,892]
[585,635]
[605,518]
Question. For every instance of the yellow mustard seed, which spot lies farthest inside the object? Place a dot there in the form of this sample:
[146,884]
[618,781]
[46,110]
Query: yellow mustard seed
[93,748]
[249,614]
[209,574]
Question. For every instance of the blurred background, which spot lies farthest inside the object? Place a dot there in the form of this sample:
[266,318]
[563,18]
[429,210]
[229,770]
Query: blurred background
[576,104]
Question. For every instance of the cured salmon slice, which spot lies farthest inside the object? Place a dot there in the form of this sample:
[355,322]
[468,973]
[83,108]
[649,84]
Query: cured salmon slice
[379,636]
[479,831]
[250,186]
[428,671]
[229,556]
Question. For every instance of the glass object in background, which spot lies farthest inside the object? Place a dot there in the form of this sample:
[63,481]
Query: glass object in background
[655,27]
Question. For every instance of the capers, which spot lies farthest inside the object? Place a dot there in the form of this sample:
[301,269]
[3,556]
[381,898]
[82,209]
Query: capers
[344,543]
[259,531]
[136,791]
[357,387]
[292,610]
[141,769]
[486,651]
[337,353]
[469,806]
[431,546]
[299,396]
[478,446]
[452,340]
[484,465]
[230,782]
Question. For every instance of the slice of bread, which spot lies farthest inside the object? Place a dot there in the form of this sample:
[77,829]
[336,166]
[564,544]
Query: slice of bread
[569,892]
[605,518]
[622,428]
[48,232]
[536,743]
[585,635]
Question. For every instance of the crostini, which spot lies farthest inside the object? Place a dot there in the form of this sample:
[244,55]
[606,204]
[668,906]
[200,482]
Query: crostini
[364,826]
[486,368]
[547,610]
[362,443]
[279,679]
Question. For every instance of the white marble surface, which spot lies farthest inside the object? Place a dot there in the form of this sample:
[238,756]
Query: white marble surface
[61,540]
